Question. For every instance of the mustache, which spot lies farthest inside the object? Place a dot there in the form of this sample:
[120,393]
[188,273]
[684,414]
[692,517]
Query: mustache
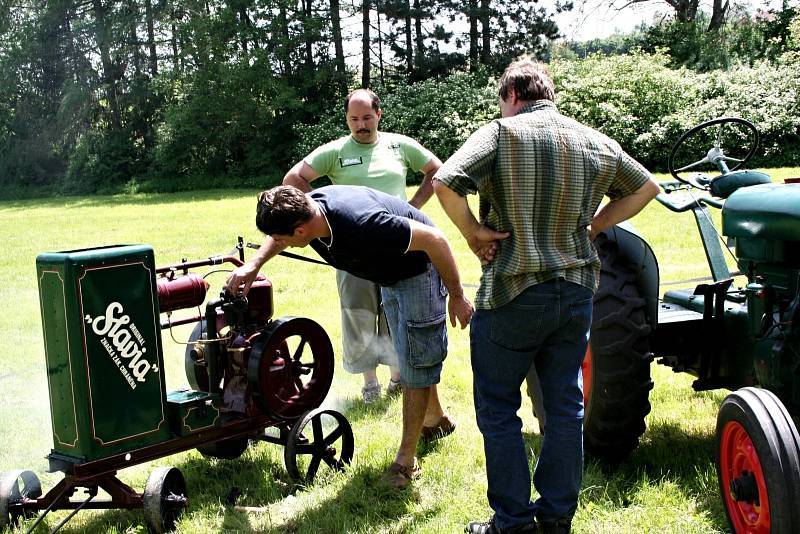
[362,130]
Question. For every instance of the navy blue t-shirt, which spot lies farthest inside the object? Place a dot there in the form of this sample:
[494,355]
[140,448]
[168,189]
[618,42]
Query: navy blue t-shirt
[370,234]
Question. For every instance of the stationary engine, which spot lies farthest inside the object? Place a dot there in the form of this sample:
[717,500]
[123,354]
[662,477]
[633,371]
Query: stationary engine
[257,366]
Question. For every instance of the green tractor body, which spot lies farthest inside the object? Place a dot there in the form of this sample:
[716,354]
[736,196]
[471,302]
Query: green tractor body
[745,339]
[755,337]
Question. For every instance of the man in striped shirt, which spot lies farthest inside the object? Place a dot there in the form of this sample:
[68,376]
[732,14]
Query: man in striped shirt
[541,177]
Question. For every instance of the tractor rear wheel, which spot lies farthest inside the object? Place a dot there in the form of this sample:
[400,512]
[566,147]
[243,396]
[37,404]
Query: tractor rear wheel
[758,463]
[616,369]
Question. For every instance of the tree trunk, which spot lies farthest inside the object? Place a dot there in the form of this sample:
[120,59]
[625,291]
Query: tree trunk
[109,76]
[409,39]
[419,53]
[473,35]
[309,44]
[365,63]
[719,10]
[151,38]
[380,46]
[176,59]
[685,10]
[283,43]
[336,28]
[487,34]
[136,52]
[244,18]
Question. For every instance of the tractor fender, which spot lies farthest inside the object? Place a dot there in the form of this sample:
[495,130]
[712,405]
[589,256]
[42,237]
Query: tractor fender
[640,257]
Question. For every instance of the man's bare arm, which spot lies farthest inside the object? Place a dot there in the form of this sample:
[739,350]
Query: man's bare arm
[431,241]
[300,175]
[247,272]
[623,208]
[425,190]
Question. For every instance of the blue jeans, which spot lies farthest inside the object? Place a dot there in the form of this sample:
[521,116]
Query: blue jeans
[547,324]
[416,312]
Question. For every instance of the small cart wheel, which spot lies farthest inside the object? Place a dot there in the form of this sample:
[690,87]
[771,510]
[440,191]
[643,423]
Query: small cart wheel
[329,440]
[758,463]
[14,487]
[164,498]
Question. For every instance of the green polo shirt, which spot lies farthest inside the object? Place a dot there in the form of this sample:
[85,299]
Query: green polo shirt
[382,165]
[540,176]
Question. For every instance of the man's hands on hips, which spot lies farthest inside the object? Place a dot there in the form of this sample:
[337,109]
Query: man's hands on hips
[460,308]
[485,242]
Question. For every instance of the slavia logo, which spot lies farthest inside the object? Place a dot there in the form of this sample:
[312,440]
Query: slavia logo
[123,342]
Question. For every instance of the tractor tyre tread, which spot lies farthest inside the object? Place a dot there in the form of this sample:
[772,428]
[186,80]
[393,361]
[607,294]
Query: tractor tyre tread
[620,387]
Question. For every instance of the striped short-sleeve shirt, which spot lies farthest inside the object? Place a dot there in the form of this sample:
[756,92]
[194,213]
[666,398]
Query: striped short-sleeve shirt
[540,176]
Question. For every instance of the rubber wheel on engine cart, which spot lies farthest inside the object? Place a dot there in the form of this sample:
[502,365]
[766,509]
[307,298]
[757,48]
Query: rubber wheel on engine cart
[164,498]
[15,486]
[226,449]
[616,369]
[329,439]
[758,463]
[290,369]
[196,374]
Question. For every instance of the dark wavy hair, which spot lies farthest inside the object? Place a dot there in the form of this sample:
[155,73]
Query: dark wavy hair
[528,79]
[282,209]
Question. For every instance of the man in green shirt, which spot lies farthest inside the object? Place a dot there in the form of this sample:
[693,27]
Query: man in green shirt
[379,160]
[541,177]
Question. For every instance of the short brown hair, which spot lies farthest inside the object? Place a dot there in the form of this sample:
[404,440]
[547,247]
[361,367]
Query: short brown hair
[282,209]
[375,102]
[528,79]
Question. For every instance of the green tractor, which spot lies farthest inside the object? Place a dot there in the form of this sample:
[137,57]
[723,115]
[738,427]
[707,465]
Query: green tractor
[745,339]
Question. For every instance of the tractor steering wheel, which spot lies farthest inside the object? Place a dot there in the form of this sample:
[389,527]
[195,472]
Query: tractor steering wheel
[715,156]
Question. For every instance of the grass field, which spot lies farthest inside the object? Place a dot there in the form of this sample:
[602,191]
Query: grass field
[668,485]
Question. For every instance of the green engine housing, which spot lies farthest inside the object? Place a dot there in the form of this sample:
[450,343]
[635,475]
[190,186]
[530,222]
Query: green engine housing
[103,352]
[764,224]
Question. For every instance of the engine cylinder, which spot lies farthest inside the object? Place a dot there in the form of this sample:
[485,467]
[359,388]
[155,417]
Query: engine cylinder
[179,293]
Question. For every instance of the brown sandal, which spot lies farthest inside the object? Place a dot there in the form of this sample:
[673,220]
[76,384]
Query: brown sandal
[400,476]
[443,428]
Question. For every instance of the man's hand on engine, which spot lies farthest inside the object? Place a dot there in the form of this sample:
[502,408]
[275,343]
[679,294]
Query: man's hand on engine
[240,280]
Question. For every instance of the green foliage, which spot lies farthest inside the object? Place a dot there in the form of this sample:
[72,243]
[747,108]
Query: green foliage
[615,44]
[632,98]
[233,123]
[766,94]
[645,105]
[103,160]
[745,38]
[231,93]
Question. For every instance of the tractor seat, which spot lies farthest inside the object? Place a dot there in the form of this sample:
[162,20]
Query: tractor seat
[767,211]
[725,185]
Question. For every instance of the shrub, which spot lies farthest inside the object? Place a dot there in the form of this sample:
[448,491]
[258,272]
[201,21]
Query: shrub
[635,99]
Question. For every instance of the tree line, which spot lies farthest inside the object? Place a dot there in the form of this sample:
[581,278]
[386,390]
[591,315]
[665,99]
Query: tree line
[95,94]
[110,95]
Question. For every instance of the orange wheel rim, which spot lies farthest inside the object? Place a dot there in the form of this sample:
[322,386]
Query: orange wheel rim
[738,458]
[586,370]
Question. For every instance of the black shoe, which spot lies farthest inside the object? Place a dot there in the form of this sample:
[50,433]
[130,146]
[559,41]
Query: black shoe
[558,526]
[488,527]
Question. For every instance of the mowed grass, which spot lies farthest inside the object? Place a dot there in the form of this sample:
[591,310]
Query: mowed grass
[669,484]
